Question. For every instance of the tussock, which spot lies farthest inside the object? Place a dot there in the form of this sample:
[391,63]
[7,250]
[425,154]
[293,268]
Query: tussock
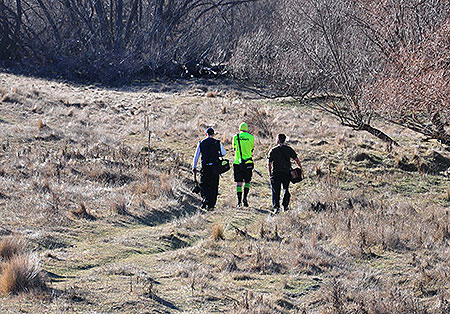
[20,274]
[10,247]
[82,212]
[217,232]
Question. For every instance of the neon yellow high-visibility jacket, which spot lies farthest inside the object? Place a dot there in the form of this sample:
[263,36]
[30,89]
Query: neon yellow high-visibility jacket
[247,144]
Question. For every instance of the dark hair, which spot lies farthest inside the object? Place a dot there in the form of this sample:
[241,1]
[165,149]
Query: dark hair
[210,131]
[282,138]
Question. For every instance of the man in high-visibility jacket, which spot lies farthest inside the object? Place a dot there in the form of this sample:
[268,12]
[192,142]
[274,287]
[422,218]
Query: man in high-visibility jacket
[243,144]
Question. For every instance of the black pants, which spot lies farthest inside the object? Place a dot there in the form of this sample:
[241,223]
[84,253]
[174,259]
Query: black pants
[276,181]
[209,185]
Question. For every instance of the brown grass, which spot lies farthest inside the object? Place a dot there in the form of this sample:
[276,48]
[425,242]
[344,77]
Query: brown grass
[217,232]
[20,274]
[40,124]
[82,212]
[11,246]
[119,207]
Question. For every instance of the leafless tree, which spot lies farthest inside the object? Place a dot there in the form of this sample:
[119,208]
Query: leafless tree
[342,48]
[97,38]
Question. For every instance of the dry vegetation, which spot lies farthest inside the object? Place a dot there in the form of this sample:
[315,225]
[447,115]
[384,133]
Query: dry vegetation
[105,203]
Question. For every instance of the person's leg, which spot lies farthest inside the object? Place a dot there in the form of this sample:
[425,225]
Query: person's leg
[239,179]
[204,187]
[286,195]
[247,179]
[276,188]
[214,190]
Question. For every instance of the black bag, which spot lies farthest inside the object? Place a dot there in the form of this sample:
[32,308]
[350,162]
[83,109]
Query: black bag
[296,175]
[245,165]
[196,188]
[224,164]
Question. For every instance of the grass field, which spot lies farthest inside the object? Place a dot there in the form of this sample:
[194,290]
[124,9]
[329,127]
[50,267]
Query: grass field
[96,189]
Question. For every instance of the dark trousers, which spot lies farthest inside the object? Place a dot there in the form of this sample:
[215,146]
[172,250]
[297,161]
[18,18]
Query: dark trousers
[276,181]
[209,185]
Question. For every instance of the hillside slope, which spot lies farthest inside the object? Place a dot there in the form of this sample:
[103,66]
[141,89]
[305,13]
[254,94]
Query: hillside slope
[99,181]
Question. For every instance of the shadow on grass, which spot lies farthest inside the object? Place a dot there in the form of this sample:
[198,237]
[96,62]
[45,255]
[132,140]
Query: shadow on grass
[164,302]
[160,216]
[55,277]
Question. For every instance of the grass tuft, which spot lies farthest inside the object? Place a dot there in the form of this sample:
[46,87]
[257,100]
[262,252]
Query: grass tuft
[20,274]
[40,124]
[82,212]
[217,232]
[10,247]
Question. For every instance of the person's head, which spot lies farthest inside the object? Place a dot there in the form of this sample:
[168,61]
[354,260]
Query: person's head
[281,138]
[209,132]
[243,127]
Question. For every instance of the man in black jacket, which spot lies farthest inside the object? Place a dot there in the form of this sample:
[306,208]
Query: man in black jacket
[279,171]
[210,149]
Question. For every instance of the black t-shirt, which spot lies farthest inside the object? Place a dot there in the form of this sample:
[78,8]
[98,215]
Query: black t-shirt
[280,156]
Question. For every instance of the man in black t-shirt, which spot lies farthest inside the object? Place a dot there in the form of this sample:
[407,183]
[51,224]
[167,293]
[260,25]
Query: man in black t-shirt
[279,171]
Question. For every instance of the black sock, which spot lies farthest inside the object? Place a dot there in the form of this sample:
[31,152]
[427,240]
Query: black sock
[246,190]
[239,196]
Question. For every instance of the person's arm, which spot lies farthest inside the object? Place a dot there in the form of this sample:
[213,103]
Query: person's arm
[270,162]
[298,162]
[195,161]
[223,152]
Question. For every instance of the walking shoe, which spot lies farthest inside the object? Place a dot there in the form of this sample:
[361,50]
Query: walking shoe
[276,210]
[286,208]
[245,203]
[203,206]
[239,205]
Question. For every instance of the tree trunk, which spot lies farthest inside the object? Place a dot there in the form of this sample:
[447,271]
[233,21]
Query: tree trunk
[380,134]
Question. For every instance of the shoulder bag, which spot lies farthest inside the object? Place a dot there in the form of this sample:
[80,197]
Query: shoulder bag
[296,174]
[244,165]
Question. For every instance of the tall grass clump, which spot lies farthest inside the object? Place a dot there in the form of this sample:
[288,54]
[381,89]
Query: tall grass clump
[10,247]
[19,270]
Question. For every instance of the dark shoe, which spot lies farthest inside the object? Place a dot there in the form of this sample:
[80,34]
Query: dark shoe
[203,206]
[210,208]
[276,210]
[286,208]
[239,205]
[245,203]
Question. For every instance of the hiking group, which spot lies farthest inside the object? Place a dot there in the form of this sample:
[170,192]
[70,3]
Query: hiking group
[212,150]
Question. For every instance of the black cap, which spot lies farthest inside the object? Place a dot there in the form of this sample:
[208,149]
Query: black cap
[209,131]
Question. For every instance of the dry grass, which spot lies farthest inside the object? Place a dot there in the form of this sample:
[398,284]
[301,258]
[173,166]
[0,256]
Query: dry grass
[82,212]
[217,232]
[359,238]
[119,207]
[40,124]
[11,246]
[20,274]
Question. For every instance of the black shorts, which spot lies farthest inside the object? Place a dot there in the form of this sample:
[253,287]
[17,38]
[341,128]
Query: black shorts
[242,175]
